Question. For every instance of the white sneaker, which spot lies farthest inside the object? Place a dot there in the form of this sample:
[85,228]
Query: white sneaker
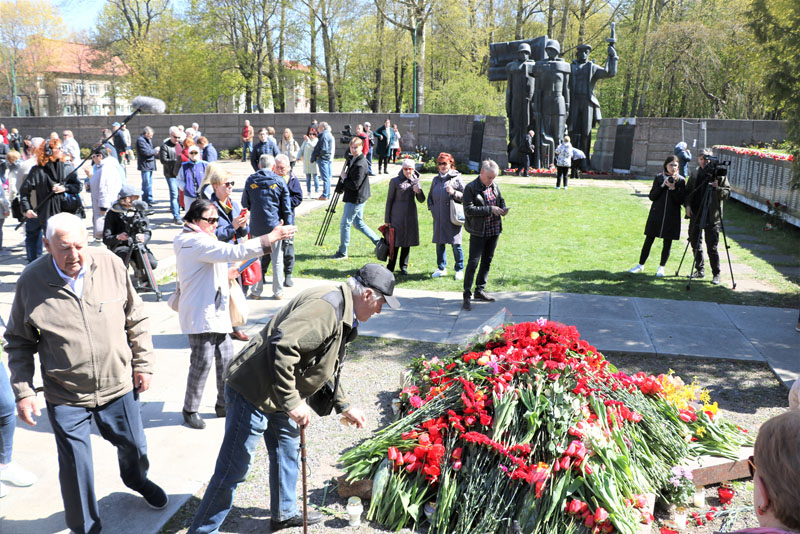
[17,475]
[439,272]
[660,271]
[460,274]
[636,269]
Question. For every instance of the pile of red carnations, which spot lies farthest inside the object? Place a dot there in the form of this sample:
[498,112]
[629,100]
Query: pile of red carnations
[530,424]
[755,152]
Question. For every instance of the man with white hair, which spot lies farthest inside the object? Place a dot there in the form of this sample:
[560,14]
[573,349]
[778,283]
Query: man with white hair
[323,156]
[93,368]
[484,207]
[266,195]
[197,132]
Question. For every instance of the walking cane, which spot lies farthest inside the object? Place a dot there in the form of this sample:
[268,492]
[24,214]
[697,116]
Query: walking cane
[303,467]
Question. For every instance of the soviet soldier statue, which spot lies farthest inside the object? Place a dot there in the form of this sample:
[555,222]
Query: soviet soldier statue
[519,96]
[585,109]
[551,103]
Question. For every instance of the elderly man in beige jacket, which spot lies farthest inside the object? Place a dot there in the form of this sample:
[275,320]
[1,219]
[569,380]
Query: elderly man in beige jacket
[77,308]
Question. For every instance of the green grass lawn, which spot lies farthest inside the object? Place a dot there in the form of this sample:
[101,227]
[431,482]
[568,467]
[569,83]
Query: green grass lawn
[578,241]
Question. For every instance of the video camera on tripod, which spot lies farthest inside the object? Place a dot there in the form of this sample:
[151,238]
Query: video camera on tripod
[716,168]
[347,135]
[136,224]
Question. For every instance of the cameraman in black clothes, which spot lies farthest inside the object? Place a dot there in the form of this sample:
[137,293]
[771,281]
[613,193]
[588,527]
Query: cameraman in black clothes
[124,219]
[706,176]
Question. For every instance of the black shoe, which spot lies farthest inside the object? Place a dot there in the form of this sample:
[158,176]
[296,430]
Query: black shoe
[466,305]
[404,272]
[220,410]
[287,282]
[339,256]
[313,518]
[481,295]
[194,420]
[154,495]
[698,274]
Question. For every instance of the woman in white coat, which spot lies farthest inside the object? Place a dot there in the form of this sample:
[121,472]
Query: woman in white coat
[203,266]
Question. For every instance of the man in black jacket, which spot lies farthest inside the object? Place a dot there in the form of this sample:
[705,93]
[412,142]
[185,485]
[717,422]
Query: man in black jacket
[170,156]
[115,232]
[483,208]
[355,186]
[697,187]
[146,162]
[265,145]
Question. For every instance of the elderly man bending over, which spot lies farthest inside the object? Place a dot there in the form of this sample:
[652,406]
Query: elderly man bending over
[77,308]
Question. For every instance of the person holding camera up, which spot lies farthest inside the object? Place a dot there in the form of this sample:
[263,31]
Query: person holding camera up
[125,222]
[668,195]
[706,219]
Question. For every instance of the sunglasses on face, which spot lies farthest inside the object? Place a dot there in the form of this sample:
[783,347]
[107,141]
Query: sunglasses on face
[230,184]
[210,220]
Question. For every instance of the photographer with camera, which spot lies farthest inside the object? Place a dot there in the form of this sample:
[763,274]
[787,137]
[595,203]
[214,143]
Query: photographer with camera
[705,213]
[126,226]
[668,195]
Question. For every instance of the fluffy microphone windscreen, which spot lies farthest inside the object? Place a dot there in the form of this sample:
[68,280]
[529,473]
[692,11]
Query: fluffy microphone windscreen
[148,104]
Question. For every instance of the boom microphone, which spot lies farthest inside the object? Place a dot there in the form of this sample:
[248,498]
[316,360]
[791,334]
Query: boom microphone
[148,104]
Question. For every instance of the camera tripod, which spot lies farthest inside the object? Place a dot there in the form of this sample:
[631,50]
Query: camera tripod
[137,247]
[331,209]
[708,198]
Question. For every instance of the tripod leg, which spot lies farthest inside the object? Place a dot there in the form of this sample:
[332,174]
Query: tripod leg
[727,252]
[682,257]
[151,276]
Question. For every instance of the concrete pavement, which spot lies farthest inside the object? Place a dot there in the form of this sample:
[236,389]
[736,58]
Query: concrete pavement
[182,459]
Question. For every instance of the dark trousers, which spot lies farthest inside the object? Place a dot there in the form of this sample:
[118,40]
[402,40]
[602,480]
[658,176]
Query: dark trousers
[120,423]
[33,239]
[384,162]
[648,242]
[481,249]
[404,252]
[139,270]
[562,172]
[712,240]
[288,259]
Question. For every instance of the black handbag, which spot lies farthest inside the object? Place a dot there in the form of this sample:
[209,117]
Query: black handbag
[382,250]
[322,400]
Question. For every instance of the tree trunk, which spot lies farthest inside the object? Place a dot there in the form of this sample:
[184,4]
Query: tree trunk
[313,59]
[519,20]
[326,46]
[551,8]
[584,9]
[640,71]
[420,67]
[272,71]
[281,67]
[397,93]
[626,93]
[377,101]
[403,75]
[562,32]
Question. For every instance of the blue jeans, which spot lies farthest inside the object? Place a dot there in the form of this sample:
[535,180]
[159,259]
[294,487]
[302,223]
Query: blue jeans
[309,177]
[147,186]
[353,215]
[172,183]
[324,167]
[441,256]
[8,421]
[247,146]
[244,426]
[120,423]
[33,239]
[369,159]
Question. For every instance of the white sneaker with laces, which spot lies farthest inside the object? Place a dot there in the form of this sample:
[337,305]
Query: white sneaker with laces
[17,475]
[460,274]
[636,269]
[660,271]
[438,273]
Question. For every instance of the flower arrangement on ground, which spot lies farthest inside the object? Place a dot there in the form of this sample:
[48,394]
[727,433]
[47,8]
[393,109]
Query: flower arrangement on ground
[531,424]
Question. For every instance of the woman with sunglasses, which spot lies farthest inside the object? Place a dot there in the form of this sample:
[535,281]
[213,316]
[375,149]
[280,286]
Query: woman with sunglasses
[446,186]
[203,306]
[775,468]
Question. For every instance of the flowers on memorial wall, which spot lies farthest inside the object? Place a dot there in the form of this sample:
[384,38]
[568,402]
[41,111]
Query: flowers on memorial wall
[530,423]
[755,152]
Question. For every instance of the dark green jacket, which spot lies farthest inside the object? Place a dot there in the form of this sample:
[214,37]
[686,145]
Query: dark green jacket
[296,353]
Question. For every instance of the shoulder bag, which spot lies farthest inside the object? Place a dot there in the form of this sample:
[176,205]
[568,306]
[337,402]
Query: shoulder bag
[456,212]
[237,304]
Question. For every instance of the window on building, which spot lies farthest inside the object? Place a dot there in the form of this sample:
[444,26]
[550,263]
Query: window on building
[95,110]
[79,89]
[108,88]
[66,88]
[93,89]
[67,110]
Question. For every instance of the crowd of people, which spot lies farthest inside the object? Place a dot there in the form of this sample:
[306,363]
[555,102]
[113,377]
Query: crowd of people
[96,371]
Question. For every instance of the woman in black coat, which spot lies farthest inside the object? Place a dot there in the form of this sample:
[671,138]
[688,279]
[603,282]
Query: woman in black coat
[401,213]
[668,194]
[51,186]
